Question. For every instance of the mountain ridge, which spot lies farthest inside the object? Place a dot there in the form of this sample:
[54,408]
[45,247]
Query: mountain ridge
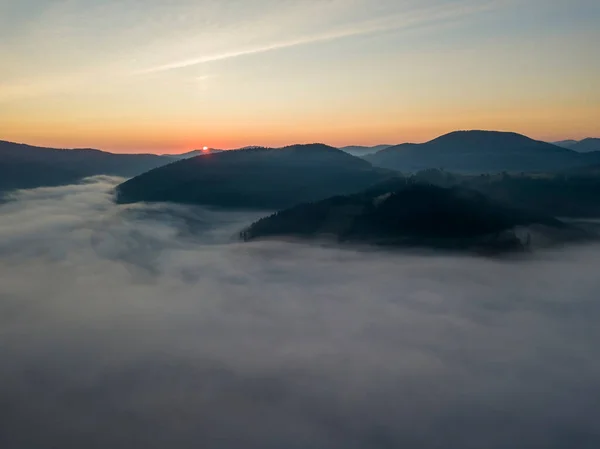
[254,178]
[479,151]
[29,166]
[360,150]
[414,215]
[587,145]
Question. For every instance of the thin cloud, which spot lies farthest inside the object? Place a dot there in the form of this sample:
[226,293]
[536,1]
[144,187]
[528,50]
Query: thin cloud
[42,86]
[396,22]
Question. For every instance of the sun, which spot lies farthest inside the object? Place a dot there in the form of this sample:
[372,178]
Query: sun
[204,148]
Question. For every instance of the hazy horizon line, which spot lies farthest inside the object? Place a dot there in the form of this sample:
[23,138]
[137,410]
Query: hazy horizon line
[165,152]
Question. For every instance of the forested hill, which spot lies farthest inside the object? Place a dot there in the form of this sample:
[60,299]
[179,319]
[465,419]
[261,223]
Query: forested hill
[413,214]
[481,152]
[26,166]
[255,178]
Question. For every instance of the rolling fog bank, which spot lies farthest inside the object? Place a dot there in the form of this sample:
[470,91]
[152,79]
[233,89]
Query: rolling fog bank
[152,327]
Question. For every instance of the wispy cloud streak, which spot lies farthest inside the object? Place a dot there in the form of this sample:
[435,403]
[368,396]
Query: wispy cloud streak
[396,22]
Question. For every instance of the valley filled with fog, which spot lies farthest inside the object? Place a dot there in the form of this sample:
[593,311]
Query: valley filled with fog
[153,326]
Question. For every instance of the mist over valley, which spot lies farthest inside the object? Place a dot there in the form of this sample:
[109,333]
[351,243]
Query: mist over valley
[153,325]
[299,224]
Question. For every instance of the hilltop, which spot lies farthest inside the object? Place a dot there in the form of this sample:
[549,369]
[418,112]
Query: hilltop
[480,152]
[254,178]
[26,166]
[410,214]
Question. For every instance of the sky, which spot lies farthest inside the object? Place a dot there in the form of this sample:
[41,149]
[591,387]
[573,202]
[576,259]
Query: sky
[158,76]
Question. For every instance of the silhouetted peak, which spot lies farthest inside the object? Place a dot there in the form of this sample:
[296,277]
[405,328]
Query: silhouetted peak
[586,145]
[565,143]
[482,137]
[253,147]
[311,147]
[590,141]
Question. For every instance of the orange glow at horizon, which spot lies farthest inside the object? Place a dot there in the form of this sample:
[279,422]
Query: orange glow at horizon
[398,126]
[277,73]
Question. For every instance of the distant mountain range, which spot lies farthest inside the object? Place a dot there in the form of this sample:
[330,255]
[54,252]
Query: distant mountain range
[275,178]
[25,166]
[415,215]
[481,152]
[564,143]
[581,146]
[354,150]
[193,153]
[263,178]
[572,193]
[357,150]
[272,178]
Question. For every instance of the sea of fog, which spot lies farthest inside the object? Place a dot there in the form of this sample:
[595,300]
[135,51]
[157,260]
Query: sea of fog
[153,327]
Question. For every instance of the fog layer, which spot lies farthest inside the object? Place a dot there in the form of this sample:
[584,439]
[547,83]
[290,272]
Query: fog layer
[152,327]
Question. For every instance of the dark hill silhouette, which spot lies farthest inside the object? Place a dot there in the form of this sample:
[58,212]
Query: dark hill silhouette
[411,215]
[586,171]
[193,153]
[565,143]
[26,166]
[591,144]
[254,178]
[478,152]
[564,196]
[358,150]
[573,193]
